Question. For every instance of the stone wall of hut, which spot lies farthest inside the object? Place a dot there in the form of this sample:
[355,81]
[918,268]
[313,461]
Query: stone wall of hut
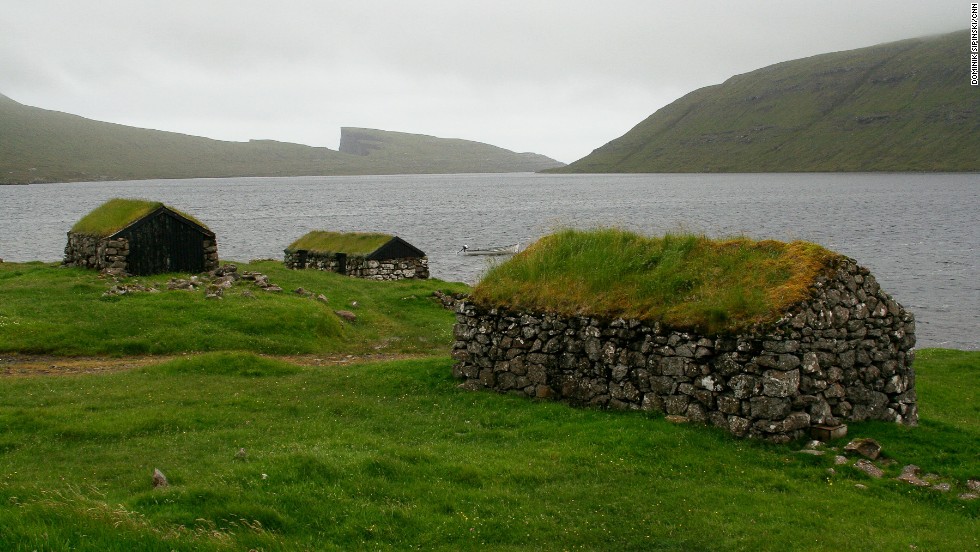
[211,260]
[360,267]
[101,253]
[844,355]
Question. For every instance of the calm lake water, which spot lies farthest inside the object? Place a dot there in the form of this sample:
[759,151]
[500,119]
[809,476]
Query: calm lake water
[918,233]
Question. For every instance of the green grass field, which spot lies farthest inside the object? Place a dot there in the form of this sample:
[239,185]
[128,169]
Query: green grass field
[393,456]
[47,309]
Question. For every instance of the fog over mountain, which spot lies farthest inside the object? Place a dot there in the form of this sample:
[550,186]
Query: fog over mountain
[556,78]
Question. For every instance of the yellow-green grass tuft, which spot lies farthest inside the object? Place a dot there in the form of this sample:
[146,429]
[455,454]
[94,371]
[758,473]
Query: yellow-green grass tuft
[352,243]
[684,281]
[116,214]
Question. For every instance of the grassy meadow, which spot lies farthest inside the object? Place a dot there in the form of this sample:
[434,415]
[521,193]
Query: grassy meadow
[48,309]
[392,455]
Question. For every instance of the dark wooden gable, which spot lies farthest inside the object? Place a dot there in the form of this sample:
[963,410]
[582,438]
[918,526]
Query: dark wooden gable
[165,241]
[396,248]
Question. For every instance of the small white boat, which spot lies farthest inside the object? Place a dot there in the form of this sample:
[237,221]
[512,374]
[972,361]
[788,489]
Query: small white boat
[503,250]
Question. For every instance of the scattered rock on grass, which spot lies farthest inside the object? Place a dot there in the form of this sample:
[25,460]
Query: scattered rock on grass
[910,475]
[868,467]
[125,289]
[159,480]
[184,284]
[813,448]
[226,270]
[868,448]
[346,315]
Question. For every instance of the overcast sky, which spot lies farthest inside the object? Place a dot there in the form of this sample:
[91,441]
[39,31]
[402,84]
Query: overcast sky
[557,77]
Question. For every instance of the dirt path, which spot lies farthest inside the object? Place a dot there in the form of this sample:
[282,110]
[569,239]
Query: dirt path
[18,365]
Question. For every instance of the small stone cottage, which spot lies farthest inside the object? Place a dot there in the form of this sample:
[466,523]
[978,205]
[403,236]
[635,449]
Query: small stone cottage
[826,346]
[141,238]
[359,254]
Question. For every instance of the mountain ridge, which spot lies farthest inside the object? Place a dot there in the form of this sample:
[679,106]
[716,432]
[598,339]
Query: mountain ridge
[41,145]
[900,106]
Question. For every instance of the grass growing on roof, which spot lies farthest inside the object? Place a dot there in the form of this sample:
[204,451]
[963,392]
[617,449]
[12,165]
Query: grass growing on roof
[352,243]
[116,214]
[685,281]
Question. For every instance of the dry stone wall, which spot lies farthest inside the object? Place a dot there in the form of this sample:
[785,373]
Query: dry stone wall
[844,355]
[361,267]
[96,252]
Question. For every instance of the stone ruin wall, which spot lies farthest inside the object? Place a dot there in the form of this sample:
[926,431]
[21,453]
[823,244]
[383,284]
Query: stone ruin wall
[844,355]
[360,267]
[101,253]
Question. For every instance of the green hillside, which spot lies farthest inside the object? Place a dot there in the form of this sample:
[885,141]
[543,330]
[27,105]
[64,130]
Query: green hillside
[902,106]
[417,151]
[39,145]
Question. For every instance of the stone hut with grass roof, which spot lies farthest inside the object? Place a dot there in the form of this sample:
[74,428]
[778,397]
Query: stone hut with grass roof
[141,237]
[359,254]
[765,339]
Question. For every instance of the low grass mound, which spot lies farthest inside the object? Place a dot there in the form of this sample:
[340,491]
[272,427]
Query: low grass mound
[116,214]
[352,243]
[39,306]
[684,281]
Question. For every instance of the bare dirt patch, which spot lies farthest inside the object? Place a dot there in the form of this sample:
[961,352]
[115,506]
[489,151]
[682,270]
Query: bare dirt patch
[18,365]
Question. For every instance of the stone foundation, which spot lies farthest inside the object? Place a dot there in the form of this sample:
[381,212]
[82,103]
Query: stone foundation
[100,253]
[844,355]
[361,267]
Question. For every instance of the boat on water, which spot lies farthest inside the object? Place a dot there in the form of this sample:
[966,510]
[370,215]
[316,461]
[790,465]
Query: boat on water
[502,250]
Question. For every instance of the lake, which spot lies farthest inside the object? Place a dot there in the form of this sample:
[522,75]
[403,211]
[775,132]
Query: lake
[917,233]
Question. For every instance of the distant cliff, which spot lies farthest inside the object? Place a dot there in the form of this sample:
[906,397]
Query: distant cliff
[39,145]
[421,151]
[902,106]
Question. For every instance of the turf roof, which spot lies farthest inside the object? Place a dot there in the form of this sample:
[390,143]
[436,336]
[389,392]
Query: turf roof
[351,243]
[116,214]
[683,281]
